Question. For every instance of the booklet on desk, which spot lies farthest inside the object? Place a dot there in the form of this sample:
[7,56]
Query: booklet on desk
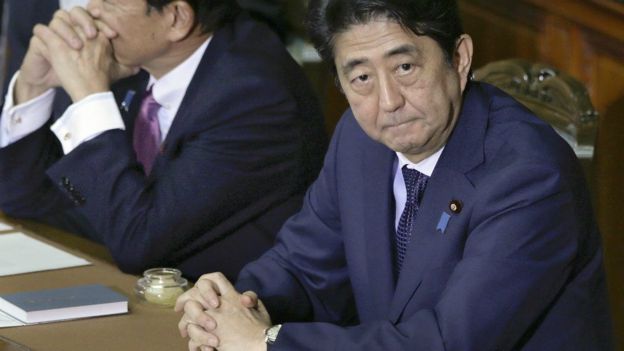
[61,304]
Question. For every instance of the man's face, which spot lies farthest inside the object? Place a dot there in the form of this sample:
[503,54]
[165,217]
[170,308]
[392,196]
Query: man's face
[402,90]
[141,40]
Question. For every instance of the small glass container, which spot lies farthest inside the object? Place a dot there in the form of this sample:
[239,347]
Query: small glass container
[161,286]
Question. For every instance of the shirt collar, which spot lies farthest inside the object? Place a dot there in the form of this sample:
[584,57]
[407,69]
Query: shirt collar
[425,166]
[170,89]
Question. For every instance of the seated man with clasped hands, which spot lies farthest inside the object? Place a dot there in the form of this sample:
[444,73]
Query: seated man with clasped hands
[446,216]
[194,160]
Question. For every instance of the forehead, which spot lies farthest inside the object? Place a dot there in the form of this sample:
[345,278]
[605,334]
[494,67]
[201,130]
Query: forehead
[377,40]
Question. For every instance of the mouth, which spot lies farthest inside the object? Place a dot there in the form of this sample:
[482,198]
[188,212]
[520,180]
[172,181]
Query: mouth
[402,123]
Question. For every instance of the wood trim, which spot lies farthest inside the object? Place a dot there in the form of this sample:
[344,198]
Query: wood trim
[602,19]
[613,5]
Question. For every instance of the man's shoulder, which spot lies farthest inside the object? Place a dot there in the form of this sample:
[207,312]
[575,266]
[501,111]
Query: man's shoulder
[515,132]
[250,40]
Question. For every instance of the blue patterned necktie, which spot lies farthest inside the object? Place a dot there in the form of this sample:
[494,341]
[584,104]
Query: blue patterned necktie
[415,183]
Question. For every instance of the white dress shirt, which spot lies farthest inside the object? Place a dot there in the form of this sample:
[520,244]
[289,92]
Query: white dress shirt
[68,4]
[97,113]
[425,166]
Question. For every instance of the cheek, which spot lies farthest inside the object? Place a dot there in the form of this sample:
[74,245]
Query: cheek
[365,112]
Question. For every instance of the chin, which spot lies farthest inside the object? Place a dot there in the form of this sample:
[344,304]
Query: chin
[405,147]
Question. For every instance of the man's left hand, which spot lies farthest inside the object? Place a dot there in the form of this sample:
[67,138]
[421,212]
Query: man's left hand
[217,316]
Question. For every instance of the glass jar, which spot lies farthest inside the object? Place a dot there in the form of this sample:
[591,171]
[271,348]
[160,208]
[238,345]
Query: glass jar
[161,286]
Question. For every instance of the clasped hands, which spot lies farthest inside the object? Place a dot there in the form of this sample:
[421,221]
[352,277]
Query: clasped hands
[216,316]
[73,51]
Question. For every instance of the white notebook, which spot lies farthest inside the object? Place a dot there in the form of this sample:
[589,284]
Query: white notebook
[20,253]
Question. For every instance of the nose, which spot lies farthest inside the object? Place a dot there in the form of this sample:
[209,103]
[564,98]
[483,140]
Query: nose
[390,94]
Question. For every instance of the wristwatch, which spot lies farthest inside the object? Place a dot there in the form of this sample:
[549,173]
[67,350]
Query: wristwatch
[270,334]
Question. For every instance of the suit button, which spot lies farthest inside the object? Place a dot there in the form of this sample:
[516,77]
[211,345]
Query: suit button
[64,182]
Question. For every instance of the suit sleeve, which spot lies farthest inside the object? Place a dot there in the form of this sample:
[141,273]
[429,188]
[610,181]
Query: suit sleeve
[518,255]
[304,276]
[26,190]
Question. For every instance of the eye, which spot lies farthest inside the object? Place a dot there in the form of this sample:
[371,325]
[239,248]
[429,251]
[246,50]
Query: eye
[405,68]
[362,78]
[361,81]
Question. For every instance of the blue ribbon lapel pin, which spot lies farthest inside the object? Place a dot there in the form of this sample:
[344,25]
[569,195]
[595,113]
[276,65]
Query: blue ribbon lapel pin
[125,104]
[443,222]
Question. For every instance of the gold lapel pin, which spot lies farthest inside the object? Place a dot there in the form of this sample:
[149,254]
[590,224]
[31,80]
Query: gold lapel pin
[455,206]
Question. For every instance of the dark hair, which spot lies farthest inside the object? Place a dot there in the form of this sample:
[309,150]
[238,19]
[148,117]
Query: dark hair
[437,19]
[209,14]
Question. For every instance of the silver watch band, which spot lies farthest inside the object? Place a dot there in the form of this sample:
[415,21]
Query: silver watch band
[270,334]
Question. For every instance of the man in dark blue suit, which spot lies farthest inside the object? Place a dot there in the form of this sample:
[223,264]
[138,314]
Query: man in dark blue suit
[195,161]
[446,215]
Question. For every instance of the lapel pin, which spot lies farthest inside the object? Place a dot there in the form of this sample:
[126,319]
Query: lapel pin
[125,104]
[443,222]
[455,206]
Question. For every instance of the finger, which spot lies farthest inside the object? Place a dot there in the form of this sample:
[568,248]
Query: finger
[190,295]
[102,27]
[209,291]
[61,25]
[81,18]
[195,314]
[51,39]
[183,325]
[193,346]
[202,337]
[38,45]
[215,283]
[249,299]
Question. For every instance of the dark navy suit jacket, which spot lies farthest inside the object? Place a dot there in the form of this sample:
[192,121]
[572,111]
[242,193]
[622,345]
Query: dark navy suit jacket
[519,266]
[246,142]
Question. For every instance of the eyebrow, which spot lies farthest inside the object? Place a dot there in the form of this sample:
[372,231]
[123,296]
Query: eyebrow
[401,50]
[351,64]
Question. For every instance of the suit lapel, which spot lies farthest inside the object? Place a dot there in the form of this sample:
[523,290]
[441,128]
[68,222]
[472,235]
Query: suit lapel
[450,181]
[378,222]
[428,241]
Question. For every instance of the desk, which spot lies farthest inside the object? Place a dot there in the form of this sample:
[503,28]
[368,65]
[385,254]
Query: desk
[146,327]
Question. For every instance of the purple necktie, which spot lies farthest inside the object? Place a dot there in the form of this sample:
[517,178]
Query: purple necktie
[147,132]
[415,183]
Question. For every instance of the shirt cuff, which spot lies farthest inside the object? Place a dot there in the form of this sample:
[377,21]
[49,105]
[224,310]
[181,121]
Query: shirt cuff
[86,119]
[19,121]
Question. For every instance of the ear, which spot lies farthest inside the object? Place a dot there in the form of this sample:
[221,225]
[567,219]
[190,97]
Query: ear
[463,58]
[182,20]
